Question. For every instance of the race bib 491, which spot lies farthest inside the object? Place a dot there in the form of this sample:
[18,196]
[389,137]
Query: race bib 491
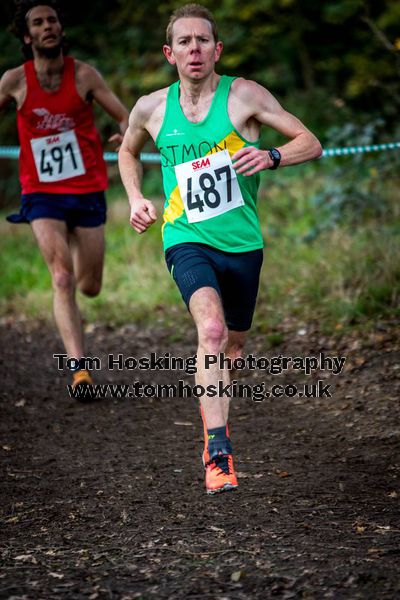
[208,186]
[57,157]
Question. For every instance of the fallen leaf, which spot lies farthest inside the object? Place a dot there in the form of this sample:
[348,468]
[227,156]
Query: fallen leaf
[213,528]
[12,520]
[281,473]
[360,529]
[236,576]
[26,558]
[124,515]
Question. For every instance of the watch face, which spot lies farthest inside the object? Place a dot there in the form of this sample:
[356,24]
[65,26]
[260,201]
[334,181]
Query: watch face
[275,153]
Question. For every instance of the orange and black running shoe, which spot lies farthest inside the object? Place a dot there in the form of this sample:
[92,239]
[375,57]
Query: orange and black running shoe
[220,474]
[82,378]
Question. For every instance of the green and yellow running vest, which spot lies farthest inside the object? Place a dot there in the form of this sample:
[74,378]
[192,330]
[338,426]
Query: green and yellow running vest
[209,190]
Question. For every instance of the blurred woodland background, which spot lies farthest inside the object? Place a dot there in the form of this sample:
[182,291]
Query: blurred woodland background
[331,226]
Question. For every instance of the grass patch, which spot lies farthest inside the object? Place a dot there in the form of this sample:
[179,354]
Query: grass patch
[343,279]
[347,276]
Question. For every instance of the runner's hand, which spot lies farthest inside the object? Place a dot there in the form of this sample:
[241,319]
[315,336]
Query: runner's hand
[250,160]
[116,139]
[143,214]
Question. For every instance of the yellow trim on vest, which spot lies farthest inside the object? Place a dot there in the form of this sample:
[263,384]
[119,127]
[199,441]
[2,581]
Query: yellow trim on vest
[234,142]
[175,208]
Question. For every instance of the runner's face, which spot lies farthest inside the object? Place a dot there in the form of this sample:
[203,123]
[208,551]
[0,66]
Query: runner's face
[45,30]
[194,50]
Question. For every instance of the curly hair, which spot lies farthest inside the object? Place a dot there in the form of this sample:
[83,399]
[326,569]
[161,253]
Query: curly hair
[19,25]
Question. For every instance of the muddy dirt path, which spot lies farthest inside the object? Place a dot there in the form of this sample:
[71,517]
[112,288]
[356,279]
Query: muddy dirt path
[106,500]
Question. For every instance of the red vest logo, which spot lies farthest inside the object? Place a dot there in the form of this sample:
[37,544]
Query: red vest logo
[60,122]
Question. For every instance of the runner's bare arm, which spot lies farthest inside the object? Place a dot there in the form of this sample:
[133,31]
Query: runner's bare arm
[91,85]
[264,109]
[143,212]
[8,87]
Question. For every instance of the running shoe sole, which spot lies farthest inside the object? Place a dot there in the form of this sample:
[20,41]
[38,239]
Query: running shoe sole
[226,488]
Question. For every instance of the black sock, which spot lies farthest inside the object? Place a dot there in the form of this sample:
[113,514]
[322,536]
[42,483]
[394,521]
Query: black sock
[218,442]
[80,365]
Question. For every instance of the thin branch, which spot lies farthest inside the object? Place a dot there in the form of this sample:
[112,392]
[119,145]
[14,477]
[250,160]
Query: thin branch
[384,40]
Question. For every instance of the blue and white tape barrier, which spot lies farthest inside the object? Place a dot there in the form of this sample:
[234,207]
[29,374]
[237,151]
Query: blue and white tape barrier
[151,157]
[359,149]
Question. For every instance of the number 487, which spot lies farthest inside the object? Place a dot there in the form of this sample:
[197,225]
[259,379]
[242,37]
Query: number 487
[211,196]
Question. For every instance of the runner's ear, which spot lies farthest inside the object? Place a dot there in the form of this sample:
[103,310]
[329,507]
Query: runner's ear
[169,54]
[218,49]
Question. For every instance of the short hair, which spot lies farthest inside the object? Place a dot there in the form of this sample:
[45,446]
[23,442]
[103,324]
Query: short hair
[19,25]
[191,10]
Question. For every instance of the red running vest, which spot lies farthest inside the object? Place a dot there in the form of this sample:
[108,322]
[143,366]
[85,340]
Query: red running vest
[61,150]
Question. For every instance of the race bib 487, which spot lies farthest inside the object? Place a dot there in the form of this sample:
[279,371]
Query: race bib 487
[57,157]
[208,186]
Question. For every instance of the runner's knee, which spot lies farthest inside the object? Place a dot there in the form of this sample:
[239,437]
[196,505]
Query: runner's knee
[89,287]
[234,351]
[213,335]
[235,345]
[63,280]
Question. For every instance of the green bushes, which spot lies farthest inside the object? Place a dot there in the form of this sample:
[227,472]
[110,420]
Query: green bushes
[332,262]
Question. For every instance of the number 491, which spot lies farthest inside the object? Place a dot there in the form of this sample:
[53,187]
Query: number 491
[57,156]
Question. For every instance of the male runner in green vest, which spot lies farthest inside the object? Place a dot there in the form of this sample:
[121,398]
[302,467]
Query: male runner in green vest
[206,128]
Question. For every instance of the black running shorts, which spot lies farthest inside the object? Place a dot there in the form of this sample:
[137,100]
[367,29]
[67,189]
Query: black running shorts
[234,275]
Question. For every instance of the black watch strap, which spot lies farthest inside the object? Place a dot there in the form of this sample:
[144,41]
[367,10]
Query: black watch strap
[275,155]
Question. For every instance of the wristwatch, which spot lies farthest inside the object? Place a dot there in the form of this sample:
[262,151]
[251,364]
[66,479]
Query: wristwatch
[275,155]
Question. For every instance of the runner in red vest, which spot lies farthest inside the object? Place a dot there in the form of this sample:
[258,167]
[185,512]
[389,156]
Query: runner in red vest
[62,172]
